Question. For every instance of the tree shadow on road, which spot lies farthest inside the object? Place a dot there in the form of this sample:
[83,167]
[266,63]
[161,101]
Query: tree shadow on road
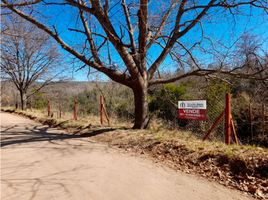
[54,182]
[18,135]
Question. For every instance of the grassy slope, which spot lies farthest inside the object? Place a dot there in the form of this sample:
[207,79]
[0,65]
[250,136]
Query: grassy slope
[241,167]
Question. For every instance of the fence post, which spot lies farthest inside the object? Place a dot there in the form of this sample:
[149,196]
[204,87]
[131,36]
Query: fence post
[101,109]
[250,120]
[48,108]
[213,125]
[75,109]
[105,113]
[60,110]
[234,131]
[228,118]
[263,119]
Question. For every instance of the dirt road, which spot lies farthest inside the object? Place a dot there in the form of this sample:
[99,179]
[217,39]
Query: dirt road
[38,162]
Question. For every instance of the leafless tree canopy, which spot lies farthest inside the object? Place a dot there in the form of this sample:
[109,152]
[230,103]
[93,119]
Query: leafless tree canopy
[117,37]
[26,56]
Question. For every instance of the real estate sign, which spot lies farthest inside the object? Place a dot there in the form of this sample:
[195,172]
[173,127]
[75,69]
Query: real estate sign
[194,109]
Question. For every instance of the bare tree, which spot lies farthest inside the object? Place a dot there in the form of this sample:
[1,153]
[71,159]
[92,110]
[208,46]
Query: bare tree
[27,56]
[128,33]
[248,53]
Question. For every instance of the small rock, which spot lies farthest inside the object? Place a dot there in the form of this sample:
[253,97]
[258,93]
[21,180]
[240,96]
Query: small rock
[219,173]
[259,193]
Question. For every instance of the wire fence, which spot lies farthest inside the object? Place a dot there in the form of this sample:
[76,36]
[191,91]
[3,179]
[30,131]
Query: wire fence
[200,127]
[250,119]
[253,122]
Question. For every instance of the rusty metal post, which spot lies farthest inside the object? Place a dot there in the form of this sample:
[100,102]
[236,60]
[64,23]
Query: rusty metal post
[60,110]
[213,125]
[227,118]
[250,120]
[101,109]
[105,112]
[234,131]
[48,108]
[263,119]
[75,109]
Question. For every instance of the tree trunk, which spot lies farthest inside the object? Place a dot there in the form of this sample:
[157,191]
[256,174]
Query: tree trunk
[23,100]
[141,107]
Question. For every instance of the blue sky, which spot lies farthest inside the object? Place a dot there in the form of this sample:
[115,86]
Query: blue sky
[221,27]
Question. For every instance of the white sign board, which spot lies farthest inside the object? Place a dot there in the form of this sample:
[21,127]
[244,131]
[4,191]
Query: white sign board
[193,104]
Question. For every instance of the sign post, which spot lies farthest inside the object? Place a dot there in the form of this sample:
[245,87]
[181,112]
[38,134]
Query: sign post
[194,110]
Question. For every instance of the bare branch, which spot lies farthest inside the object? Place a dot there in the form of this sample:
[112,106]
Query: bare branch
[24,3]
[206,72]
[130,28]
[176,35]
[113,74]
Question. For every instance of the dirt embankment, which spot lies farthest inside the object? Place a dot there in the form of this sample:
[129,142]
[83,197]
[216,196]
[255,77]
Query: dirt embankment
[243,168]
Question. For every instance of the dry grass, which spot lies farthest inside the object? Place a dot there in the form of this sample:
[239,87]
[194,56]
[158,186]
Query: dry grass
[66,121]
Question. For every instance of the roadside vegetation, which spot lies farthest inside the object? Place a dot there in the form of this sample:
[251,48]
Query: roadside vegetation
[249,105]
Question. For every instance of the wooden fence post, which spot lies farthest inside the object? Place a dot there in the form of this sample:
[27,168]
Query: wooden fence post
[60,110]
[48,108]
[75,109]
[263,119]
[101,109]
[213,125]
[234,131]
[250,120]
[106,114]
[229,122]
[228,118]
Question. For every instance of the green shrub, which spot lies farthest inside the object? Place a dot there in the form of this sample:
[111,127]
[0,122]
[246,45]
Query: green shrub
[39,101]
[163,100]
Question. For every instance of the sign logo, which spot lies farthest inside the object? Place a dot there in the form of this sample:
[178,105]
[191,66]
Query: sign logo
[194,109]
[182,104]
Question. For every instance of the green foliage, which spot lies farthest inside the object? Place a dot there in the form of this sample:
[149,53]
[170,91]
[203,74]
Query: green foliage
[88,102]
[216,89]
[174,91]
[163,100]
[215,93]
[39,101]
[118,101]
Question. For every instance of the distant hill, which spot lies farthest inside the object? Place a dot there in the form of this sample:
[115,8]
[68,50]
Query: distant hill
[68,88]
